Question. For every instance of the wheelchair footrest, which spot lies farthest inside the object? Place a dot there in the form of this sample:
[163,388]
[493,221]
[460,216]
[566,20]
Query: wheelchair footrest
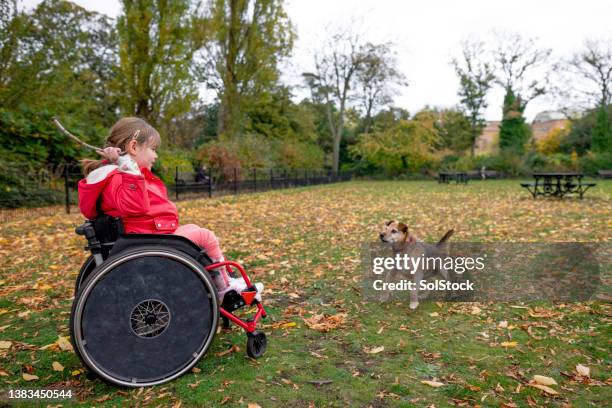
[232,301]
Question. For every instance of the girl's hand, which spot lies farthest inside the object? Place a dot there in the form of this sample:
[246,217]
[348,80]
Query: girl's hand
[111,154]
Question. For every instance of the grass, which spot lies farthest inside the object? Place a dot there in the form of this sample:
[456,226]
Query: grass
[304,244]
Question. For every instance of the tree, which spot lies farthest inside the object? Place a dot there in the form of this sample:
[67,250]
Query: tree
[475,79]
[9,33]
[407,146]
[581,132]
[333,81]
[551,142]
[456,131]
[514,133]
[61,62]
[518,61]
[377,77]
[157,42]
[592,66]
[250,39]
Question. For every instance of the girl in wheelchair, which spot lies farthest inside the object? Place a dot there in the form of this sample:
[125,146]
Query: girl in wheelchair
[123,186]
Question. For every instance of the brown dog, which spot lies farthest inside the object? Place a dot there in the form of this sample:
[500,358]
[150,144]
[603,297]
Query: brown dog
[404,242]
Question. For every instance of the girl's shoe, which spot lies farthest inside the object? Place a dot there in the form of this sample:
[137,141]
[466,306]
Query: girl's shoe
[239,285]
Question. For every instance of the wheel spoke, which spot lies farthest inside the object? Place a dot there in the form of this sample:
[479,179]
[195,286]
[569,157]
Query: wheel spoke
[149,318]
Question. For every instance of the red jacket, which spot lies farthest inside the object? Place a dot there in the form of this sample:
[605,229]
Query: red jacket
[140,201]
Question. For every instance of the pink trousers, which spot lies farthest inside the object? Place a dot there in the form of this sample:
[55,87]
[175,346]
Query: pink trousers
[203,238]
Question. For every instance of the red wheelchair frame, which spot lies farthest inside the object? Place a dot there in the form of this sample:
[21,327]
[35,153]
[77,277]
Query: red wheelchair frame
[248,295]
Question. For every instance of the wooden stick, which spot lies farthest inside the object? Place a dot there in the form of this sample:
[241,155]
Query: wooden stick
[73,137]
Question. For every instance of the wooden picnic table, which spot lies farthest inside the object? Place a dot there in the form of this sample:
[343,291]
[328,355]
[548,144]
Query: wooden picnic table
[446,177]
[557,184]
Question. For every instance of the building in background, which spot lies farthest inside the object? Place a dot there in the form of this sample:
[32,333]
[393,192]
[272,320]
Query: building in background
[546,121]
[543,123]
[488,141]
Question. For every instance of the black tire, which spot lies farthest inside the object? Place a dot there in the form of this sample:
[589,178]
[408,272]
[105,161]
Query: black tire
[144,317]
[257,344]
[86,269]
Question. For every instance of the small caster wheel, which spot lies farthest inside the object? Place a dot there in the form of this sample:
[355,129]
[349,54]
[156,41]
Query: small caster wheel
[256,344]
[225,322]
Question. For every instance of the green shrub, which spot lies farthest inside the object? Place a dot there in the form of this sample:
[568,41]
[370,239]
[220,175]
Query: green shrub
[169,160]
[593,162]
[257,151]
[552,162]
[298,155]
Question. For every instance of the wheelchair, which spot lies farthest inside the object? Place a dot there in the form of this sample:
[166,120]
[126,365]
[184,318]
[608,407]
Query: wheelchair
[146,310]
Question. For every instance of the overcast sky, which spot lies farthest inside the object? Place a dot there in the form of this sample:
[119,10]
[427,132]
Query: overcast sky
[428,34]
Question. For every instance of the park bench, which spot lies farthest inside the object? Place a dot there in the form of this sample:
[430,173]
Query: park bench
[188,181]
[474,175]
[445,177]
[557,184]
[605,174]
[488,174]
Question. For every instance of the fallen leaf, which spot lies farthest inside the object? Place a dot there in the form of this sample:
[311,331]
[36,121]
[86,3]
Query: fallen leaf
[509,344]
[233,349]
[325,322]
[583,370]
[41,286]
[103,398]
[29,377]
[503,324]
[373,350]
[540,379]
[434,314]
[434,384]
[57,366]
[64,344]
[544,388]
[3,373]
[52,346]
[253,405]
[5,344]
[196,370]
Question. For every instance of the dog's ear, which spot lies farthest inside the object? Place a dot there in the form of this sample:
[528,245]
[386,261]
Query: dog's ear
[389,223]
[409,238]
[404,229]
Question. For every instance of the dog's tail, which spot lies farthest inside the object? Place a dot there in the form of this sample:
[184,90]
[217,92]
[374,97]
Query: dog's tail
[445,238]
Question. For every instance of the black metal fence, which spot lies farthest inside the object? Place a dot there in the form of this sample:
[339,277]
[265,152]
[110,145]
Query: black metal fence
[237,180]
[26,187]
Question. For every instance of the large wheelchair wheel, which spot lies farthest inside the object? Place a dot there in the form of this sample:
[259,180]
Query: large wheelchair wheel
[86,270]
[144,317]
